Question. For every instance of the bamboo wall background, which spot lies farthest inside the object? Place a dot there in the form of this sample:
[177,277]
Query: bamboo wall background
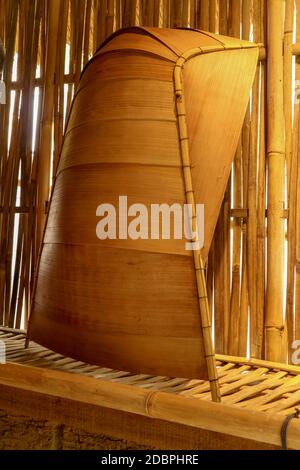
[253,271]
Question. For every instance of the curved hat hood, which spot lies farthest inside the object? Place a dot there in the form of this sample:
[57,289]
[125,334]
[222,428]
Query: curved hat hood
[124,303]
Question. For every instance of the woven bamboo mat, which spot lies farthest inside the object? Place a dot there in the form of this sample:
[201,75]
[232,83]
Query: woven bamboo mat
[268,389]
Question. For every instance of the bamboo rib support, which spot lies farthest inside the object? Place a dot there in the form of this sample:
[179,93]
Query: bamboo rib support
[198,262]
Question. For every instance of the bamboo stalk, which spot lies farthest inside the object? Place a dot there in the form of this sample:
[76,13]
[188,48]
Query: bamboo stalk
[222,245]
[109,22]
[244,301]
[108,16]
[185,13]
[276,150]
[198,262]
[178,13]
[79,20]
[166,13]
[148,13]
[256,326]
[129,14]
[291,164]
[193,10]
[157,13]
[29,43]
[87,28]
[210,280]
[214,16]
[6,163]
[223,16]
[59,83]
[261,194]
[204,15]
[203,414]
[219,271]
[296,150]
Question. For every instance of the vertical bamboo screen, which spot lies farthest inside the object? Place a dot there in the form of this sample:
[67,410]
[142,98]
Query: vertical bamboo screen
[253,271]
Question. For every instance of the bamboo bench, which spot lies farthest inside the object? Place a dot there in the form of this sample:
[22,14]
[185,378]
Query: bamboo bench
[257,396]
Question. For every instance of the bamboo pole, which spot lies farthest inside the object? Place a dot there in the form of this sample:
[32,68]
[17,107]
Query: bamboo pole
[222,247]
[214,16]
[109,23]
[261,193]
[287,82]
[79,37]
[244,300]
[276,151]
[219,289]
[47,117]
[129,10]
[297,154]
[28,38]
[148,13]
[291,165]
[210,279]
[223,16]
[6,161]
[198,262]
[185,13]
[87,27]
[59,84]
[178,13]
[204,15]
[165,13]
[203,414]
[253,171]
[255,329]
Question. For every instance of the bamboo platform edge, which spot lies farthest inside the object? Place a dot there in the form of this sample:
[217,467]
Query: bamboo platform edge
[201,414]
